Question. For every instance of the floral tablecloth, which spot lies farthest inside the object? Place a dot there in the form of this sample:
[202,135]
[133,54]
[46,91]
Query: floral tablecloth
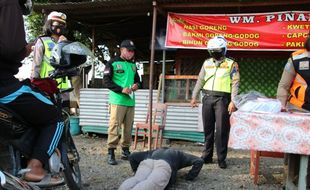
[281,132]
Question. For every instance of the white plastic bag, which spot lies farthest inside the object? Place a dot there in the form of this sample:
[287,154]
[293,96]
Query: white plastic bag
[257,102]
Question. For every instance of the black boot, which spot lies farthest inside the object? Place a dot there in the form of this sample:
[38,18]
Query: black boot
[111,156]
[222,164]
[125,153]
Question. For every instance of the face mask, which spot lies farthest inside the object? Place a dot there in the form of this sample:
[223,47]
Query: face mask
[217,55]
[59,30]
[127,55]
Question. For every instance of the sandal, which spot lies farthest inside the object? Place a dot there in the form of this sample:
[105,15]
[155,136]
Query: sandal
[47,181]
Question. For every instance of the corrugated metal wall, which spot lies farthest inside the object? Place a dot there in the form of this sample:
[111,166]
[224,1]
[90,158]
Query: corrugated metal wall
[94,107]
[182,118]
[94,116]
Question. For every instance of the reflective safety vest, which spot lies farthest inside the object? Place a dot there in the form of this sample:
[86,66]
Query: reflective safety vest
[300,91]
[46,68]
[218,78]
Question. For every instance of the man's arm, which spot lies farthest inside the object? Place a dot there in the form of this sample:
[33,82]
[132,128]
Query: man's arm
[194,161]
[137,83]
[172,179]
[135,159]
[37,59]
[198,86]
[107,78]
[199,83]
[284,85]
[235,80]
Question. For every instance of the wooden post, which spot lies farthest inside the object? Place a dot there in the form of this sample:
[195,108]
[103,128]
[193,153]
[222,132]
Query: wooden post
[151,72]
[163,73]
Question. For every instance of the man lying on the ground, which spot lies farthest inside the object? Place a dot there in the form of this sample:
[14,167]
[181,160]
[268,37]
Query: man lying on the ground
[157,169]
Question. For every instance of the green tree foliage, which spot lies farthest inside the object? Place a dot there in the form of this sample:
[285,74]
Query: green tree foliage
[77,32]
[35,22]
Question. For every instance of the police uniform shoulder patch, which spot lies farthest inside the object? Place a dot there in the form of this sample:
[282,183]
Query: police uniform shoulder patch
[106,71]
[236,67]
[119,66]
[50,45]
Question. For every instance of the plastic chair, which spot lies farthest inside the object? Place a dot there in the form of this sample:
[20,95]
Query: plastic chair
[159,114]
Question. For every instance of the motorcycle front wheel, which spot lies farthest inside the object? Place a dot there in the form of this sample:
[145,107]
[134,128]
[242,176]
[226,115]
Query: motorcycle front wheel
[70,159]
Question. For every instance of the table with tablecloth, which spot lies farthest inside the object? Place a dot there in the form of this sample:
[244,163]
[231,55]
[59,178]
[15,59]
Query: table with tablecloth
[275,132]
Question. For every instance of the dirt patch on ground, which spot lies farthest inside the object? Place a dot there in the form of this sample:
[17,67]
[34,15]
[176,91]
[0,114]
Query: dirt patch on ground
[98,175]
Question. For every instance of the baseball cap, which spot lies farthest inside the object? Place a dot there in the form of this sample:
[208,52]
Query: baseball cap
[128,44]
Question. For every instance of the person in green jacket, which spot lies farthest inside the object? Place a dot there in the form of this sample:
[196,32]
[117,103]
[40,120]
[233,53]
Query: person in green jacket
[121,77]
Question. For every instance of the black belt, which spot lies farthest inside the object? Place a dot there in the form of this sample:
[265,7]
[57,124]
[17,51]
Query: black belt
[216,93]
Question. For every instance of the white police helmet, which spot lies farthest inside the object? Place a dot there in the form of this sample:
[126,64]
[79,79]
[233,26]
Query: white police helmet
[57,16]
[217,47]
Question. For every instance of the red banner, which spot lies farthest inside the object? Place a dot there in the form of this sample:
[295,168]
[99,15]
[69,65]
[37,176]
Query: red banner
[258,31]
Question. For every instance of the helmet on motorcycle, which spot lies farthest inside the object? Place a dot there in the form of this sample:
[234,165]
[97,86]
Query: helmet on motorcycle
[55,24]
[68,54]
[217,47]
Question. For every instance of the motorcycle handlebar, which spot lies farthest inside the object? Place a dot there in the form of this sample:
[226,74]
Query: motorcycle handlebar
[60,73]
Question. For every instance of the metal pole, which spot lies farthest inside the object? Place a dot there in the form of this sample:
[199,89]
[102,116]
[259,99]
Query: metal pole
[163,77]
[151,74]
[83,78]
[93,50]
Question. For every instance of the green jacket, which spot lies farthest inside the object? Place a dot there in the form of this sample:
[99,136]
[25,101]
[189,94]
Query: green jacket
[119,74]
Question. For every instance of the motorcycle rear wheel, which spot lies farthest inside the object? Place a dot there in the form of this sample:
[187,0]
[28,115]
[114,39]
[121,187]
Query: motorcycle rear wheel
[70,160]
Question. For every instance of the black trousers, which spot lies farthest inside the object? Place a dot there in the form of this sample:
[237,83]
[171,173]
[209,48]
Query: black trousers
[215,114]
[37,110]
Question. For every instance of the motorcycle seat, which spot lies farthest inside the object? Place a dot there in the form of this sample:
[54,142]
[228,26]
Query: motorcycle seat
[12,124]
[6,112]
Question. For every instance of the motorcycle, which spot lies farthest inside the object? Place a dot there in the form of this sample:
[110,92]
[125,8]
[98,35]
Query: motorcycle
[16,138]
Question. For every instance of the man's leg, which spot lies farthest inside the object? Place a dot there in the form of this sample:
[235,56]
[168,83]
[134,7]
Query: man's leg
[222,129]
[117,114]
[126,132]
[158,178]
[144,170]
[45,117]
[208,120]
[75,95]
